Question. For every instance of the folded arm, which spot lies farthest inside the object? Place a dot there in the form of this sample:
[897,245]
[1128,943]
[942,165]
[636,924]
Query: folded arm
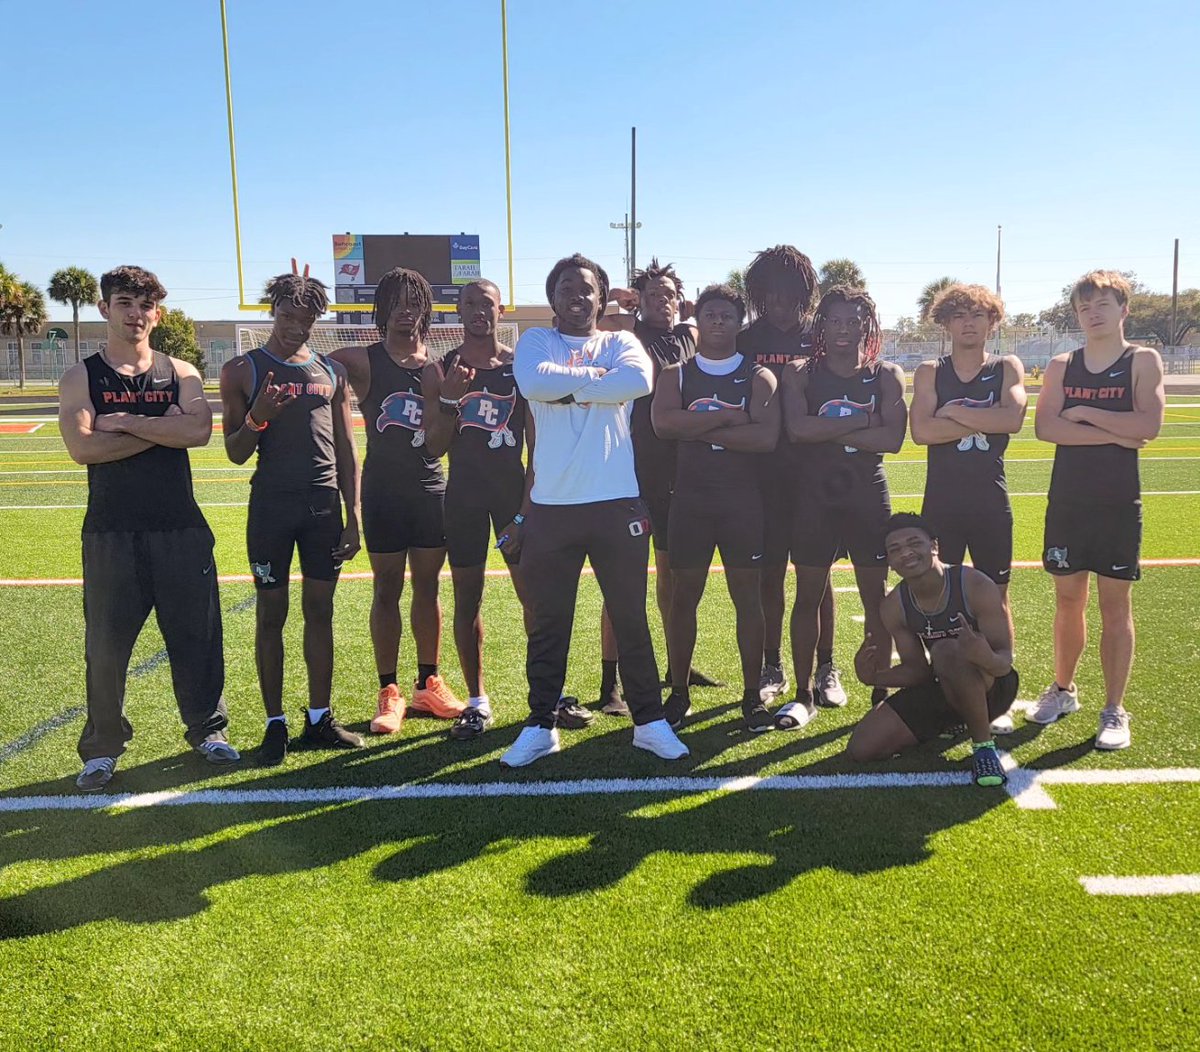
[190,426]
[76,419]
[1007,418]
[761,434]
[540,378]
[672,421]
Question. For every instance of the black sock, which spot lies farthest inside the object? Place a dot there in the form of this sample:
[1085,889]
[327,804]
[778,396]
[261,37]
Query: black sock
[608,678]
[771,657]
[423,674]
[804,696]
[387,679]
[751,697]
[824,657]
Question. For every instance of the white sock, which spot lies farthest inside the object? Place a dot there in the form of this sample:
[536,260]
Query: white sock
[481,702]
[276,719]
[315,715]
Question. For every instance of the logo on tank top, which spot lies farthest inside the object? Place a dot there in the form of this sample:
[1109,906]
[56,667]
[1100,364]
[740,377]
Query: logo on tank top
[976,440]
[711,405]
[403,409]
[847,407]
[489,412]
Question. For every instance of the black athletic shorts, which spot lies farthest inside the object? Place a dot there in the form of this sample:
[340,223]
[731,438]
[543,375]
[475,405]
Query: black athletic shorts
[780,506]
[399,517]
[1103,538]
[469,530]
[822,531]
[280,523]
[701,523]
[985,528]
[927,714]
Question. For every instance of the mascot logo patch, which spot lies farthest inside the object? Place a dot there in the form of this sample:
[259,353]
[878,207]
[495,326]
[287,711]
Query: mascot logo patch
[976,440]
[711,405]
[489,412]
[403,409]
[847,407]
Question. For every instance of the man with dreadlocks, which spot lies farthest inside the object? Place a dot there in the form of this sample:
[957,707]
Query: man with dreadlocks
[290,406]
[781,283]
[403,492]
[657,299]
[846,409]
[579,384]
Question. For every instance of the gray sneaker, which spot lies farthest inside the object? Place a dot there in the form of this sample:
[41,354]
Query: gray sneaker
[1053,703]
[772,683]
[218,752]
[96,774]
[828,691]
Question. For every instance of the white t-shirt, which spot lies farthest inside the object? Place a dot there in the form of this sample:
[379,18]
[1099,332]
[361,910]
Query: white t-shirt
[582,450]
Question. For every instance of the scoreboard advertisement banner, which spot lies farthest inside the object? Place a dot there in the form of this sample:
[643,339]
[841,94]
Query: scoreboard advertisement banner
[447,261]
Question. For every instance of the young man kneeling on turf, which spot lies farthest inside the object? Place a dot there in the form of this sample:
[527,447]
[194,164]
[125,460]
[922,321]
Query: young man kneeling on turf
[955,644]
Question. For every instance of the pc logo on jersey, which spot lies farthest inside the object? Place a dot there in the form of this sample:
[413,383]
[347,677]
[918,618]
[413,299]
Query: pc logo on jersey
[847,407]
[489,412]
[977,439]
[711,405]
[1058,556]
[403,409]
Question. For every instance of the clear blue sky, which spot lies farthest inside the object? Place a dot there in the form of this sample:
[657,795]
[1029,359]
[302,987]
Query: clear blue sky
[899,135]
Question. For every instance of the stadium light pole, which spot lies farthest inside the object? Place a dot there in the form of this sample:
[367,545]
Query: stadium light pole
[1174,293]
[629,229]
[512,288]
[633,202]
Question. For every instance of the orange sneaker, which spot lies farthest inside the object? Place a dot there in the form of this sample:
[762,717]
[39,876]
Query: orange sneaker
[436,699]
[389,711]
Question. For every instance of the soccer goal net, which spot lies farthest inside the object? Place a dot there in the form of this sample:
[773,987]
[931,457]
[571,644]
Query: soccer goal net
[329,336]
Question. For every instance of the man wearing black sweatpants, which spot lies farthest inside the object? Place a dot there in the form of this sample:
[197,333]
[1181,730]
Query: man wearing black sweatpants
[130,413]
[580,384]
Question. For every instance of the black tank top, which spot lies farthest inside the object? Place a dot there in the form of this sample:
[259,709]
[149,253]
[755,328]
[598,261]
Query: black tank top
[654,457]
[974,465]
[394,413]
[852,470]
[1097,474]
[772,348]
[296,452]
[152,490]
[942,623]
[489,435]
[701,466]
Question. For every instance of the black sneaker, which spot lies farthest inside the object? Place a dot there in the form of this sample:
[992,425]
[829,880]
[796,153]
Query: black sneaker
[988,771]
[757,716]
[572,716]
[614,705]
[471,723]
[676,709]
[327,733]
[274,748]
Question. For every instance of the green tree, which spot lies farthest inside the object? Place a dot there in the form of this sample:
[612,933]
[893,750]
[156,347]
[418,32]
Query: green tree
[841,272]
[1021,321]
[737,281]
[928,294]
[75,286]
[1150,316]
[175,335]
[22,313]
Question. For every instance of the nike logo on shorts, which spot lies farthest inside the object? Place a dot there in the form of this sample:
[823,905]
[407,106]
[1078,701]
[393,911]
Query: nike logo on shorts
[880,558]
[208,568]
[1003,573]
[755,558]
[1125,567]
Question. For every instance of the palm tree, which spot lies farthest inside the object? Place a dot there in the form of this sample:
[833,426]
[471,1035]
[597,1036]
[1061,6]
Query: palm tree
[841,272]
[22,312]
[925,304]
[76,286]
[737,282]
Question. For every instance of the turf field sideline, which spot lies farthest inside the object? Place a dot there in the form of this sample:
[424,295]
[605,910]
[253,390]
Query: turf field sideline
[432,900]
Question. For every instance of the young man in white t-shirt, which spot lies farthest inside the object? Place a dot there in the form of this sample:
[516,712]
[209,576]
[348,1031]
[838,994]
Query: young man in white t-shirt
[580,384]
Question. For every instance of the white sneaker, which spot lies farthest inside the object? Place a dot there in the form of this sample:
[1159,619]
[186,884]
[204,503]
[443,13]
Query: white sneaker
[1114,730]
[828,691]
[658,738]
[1003,724]
[1053,703]
[532,744]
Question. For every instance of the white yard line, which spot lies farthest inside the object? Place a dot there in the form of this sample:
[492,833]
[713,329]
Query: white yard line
[582,787]
[1175,884]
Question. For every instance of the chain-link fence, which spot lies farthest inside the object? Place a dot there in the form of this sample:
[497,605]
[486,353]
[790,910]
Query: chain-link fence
[46,360]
